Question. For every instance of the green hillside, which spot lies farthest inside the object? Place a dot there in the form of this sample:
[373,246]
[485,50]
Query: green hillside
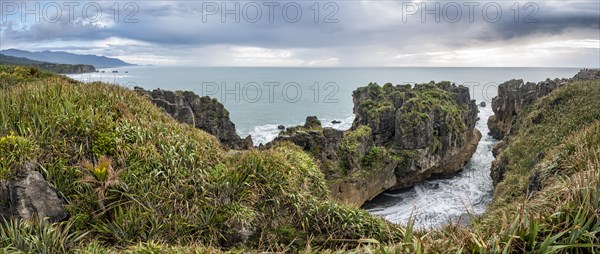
[53,67]
[154,179]
[136,181]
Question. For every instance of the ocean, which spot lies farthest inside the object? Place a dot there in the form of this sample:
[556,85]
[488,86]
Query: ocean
[261,98]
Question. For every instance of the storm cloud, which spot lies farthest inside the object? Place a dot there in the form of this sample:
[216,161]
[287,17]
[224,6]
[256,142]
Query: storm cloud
[318,33]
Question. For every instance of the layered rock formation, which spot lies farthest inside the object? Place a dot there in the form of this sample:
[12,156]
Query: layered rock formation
[514,95]
[202,112]
[401,136]
[28,196]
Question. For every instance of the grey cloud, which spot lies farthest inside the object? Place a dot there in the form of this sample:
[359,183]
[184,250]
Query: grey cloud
[369,25]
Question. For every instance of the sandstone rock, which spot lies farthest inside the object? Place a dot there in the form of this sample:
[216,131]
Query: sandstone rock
[498,147]
[202,112]
[28,196]
[464,219]
[482,104]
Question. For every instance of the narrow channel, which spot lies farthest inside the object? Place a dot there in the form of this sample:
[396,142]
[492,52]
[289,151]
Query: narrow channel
[434,203]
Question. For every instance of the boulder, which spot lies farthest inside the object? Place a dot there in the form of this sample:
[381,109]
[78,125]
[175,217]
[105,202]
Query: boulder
[281,127]
[28,196]
[482,104]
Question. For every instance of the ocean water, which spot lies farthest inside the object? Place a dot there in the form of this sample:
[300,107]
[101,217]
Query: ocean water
[261,98]
[436,202]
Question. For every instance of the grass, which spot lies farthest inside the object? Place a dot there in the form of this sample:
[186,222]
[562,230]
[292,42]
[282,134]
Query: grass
[563,113]
[177,185]
[33,237]
[176,189]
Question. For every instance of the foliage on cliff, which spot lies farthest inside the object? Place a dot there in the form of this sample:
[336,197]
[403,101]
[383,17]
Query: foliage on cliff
[165,182]
[401,136]
[548,171]
[416,105]
[177,190]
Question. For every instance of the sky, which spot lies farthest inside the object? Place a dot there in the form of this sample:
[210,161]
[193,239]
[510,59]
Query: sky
[349,33]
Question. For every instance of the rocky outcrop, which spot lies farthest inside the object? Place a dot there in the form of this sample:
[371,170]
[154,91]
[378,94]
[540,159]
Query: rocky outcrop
[431,128]
[587,74]
[202,112]
[514,95]
[28,196]
[81,68]
[400,136]
[323,143]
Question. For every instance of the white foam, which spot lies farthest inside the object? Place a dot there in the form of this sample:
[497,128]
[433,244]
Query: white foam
[268,132]
[108,76]
[436,202]
[264,133]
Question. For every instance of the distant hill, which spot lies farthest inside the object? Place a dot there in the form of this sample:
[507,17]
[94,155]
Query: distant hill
[62,57]
[53,67]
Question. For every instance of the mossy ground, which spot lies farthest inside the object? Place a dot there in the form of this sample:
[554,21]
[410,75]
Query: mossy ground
[181,192]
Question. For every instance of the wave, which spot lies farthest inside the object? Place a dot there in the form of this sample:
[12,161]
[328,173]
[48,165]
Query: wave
[434,203]
[268,132]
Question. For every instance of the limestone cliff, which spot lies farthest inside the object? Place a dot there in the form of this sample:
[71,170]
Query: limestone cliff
[202,112]
[514,95]
[401,136]
[512,102]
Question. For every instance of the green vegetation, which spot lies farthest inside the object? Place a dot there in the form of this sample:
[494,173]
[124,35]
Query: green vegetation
[352,148]
[15,150]
[136,181]
[540,128]
[419,106]
[550,166]
[296,129]
[11,75]
[164,182]
[52,67]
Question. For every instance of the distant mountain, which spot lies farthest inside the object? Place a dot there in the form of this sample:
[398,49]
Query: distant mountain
[53,67]
[62,57]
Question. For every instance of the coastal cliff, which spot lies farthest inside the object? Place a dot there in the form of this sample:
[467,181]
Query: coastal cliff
[202,112]
[122,176]
[514,95]
[400,136]
[546,172]
[53,67]
[512,114]
[120,171]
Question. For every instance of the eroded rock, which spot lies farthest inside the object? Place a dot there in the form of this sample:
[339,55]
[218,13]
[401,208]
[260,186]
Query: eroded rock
[400,137]
[514,95]
[28,196]
[202,112]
